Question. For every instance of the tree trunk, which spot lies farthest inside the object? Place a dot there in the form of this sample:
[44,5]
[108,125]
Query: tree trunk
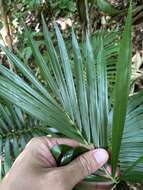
[6,34]
[5,21]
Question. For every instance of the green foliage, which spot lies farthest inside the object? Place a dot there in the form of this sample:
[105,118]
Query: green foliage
[122,88]
[131,147]
[106,7]
[64,154]
[16,129]
[75,97]
[33,4]
[36,100]
[24,3]
[64,5]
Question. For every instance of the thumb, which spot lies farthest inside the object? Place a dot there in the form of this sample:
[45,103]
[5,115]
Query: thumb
[85,165]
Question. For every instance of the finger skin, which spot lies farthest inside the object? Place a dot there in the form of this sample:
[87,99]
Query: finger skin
[84,165]
[35,168]
[34,164]
[39,148]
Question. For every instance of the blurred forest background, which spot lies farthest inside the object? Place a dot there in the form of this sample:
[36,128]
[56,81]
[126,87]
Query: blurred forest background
[83,15]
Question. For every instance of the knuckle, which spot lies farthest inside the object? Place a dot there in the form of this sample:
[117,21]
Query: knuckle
[32,141]
[84,164]
[33,144]
[37,145]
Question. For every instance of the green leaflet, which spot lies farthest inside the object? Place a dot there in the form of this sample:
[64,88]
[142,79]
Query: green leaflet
[121,90]
[106,7]
[92,92]
[102,94]
[16,148]
[65,154]
[81,87]
[8,160]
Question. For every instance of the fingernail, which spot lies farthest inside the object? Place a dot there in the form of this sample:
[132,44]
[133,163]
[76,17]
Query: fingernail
[100,155]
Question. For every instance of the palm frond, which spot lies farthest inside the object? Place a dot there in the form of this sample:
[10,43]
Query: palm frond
[16,129]
[132,143]
[13,88]
[64,111]
[79,102]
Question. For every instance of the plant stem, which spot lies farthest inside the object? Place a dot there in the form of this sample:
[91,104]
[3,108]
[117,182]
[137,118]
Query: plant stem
[87,18]
[7,36]
[84,140]
[109,176]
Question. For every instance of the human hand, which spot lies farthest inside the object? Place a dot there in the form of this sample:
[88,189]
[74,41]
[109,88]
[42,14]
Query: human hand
[35,168]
